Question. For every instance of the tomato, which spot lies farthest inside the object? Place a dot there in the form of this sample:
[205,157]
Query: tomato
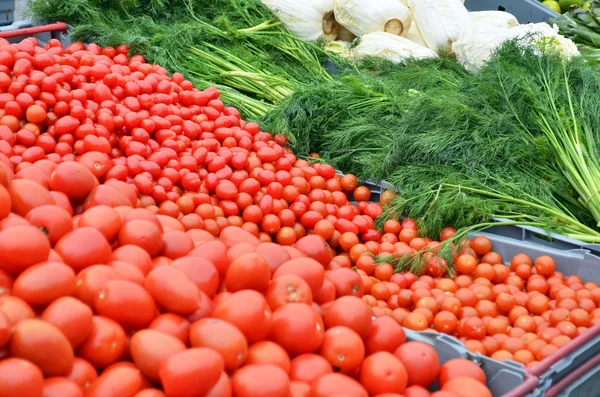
[150,349]
[223,337]
[191,372]
[19,378]
[44,345]
[309,367]
[382,372]
[232,235]
[298,328]
[421,362]
[54,221]
[127,303]
[82,373]
[143,233]
[337,384]
[103,218]
[61,387]
[346,282]
[248,311]
[90,280]
[201,271]
[460,367]
[214,251]
[150,393]
[83,247]
[260,381]
[385,335]
[466,387]
[172,324]
[173,290]
[134,255]
[286,289]
[15,309]
[73,179]
[315,247]
[343,348]
[120,381]
[22,247]
[267,352]
[299,389]
[274,254]
[41,284]
[351,312]
[249,271]
[222,388]
[105,343]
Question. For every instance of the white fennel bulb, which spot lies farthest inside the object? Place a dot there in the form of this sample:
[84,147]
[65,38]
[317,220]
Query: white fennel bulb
[367,16]
[544,37]
[501,19]
[476,47]
[306,19]
[414,35]
[440,22]
[394,48]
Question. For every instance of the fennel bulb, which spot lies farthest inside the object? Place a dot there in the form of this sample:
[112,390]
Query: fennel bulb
[414,35]
[366,16]
[440,22]
[342,48]
[394,48]
[307,19]
[501,19]
[474,48]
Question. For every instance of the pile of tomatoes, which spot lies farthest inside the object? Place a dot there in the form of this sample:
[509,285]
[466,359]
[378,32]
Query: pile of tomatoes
[153,243]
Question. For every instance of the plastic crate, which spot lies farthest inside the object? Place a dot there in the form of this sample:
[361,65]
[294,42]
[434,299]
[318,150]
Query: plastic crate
[571,261]
[503,378]
[581,382]
[526,11]
[7,12]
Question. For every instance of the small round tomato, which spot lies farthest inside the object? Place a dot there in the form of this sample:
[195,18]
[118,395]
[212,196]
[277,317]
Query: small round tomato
[343,348]
[421,362]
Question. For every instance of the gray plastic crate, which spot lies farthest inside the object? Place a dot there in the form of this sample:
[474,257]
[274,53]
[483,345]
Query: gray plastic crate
[503,378]
[581,382]
[571,261]
[526,11]
[7,12]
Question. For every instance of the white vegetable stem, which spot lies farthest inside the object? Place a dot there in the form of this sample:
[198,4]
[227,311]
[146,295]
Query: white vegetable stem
[367,16]
[394,48]
[306,19]
[440,22]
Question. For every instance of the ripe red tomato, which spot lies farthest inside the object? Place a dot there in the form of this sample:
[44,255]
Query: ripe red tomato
[298,328]
[286,289]
[343,348]
[127,303]
[249,271]
[315,247]
[150,348]
[191,372]
[260,381]
[22,247]
[223,337]
[122,381]
[421,362]
[105,343]
[173,290]
[460,367]
[172,324]
[71,317]
[337,384]
[45,282]
[44,345]
[385,335]
[61,387]
[248,311]
[308,269]
[309,367]
[382,372]
[20,377]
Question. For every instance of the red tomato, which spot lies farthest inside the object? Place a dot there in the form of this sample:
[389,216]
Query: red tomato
[201,271]
[191,372]
[315,247]
[382,372]
[309,367]
[308,269]
[105,344]
[44,345]
[385,335]
[120,381]
[83,247]
[172,324]
[337,384]
[421,361]
[343,348]
[286,289]
[466,387]
[22,247]
[267,352]
[82,373]
[150,349]
[223,337]
[127,303]
[71,317]
[20,378]
[298,328]
[73,179]
[43,283]
[249,271]
[61,387]
[173,290]
[248,311]
[261,381]
[351,312]
[460,367]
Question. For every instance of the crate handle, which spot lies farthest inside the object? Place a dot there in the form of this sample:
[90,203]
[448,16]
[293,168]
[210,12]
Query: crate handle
[529,384]
[53,27]
[571,377]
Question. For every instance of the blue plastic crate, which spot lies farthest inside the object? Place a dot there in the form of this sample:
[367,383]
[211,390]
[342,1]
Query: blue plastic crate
[526,11]
[7,12]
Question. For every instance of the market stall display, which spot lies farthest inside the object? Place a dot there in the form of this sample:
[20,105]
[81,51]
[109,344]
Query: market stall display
[253,264]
